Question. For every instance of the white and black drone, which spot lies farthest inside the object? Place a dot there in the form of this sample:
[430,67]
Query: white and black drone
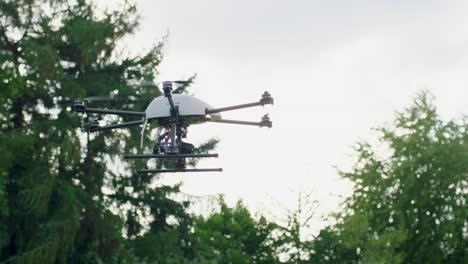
[174,113]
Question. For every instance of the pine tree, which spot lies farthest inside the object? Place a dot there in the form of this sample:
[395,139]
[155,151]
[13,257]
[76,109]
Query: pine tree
[61,198]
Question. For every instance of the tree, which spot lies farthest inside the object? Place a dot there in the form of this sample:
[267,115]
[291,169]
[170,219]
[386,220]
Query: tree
[409,204]
[52,175]
[233,236]
[293,241]
[328,247]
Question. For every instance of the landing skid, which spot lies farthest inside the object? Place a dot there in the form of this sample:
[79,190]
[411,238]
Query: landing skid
[173,156]
[180,170]
[168,156]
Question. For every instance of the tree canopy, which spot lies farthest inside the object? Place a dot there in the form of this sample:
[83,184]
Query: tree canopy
[410,193]
[62,198]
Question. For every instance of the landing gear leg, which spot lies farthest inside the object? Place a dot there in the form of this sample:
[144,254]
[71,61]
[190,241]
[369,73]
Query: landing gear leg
[157,148]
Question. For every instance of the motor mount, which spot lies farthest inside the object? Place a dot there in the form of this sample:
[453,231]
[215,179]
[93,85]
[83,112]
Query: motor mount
[79,106]
[266,122]
[94,126]
[167,88]
[266,98]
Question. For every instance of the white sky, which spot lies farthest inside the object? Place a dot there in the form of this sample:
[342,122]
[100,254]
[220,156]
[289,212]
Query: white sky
[335,69]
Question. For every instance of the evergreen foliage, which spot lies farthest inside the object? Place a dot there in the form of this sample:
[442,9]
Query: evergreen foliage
[409,205]
[232,235]
[57,189]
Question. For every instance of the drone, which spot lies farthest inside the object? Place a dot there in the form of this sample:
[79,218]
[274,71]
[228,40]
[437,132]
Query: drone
[174,113]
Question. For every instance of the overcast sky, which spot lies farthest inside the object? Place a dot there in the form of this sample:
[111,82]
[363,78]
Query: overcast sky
[336,69]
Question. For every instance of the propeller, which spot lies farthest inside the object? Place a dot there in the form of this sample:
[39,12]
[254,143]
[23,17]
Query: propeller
[180,82]
[96,99]
[149,83]
[86,99]
[152,83]
[87,122]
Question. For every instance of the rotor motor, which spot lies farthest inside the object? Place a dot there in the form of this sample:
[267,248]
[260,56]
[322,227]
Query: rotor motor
[79,106]
[167,88]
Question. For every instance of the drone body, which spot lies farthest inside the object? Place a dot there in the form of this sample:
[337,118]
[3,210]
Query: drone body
[174,112]
[189,106]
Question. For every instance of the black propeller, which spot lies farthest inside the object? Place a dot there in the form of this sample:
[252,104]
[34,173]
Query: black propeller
[180,82]
[87,99]
[152,83]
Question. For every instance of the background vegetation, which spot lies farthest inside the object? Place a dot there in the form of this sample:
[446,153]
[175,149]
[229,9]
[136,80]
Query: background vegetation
[61,202]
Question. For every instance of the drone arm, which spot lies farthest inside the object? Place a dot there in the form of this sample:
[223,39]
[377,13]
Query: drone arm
[230,108]
[236,122]
[264,123]
[96,128]
[79,106]
[266,99]
[111,112]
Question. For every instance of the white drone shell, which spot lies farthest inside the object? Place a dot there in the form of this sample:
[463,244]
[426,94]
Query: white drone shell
[188,106]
